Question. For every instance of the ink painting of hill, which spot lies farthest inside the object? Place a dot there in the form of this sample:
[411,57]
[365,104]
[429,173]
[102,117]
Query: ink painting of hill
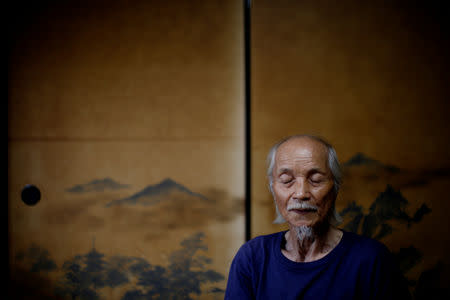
[169,205]
[390,205]
[153,194]
[360,159]
[97,185]
[362,168]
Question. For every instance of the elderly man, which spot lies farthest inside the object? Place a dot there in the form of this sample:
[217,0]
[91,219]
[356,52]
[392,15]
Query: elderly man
[313,259]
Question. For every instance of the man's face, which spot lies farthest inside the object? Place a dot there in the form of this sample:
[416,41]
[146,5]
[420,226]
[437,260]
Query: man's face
[302,182]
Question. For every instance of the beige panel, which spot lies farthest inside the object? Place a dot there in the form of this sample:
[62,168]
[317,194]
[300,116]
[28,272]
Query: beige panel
[370,78]
[56,167]
[128,116]
[128,70]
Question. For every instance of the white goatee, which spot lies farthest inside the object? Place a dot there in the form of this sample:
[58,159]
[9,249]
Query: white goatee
[305,234]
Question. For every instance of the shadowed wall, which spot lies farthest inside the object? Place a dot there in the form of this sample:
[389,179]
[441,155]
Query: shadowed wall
[372,78]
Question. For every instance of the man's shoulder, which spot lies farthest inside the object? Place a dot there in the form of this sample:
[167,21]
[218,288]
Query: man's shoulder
[257,251]
[365,247]
[264,240]
[261,242]
[380,265]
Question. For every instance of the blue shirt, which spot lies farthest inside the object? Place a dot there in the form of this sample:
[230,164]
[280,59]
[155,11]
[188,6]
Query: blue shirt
[357,268]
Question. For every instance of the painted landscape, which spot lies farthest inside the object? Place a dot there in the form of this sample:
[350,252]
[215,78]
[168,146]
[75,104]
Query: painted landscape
[173,258]
[110,240]
[391,218]
[88,275]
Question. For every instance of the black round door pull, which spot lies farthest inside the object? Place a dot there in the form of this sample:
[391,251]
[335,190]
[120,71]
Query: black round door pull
[31,195]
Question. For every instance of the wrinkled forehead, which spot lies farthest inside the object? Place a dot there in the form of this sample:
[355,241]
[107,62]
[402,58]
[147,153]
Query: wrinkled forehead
[302,153]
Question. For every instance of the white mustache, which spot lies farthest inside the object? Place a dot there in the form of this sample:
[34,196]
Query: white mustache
[301,205]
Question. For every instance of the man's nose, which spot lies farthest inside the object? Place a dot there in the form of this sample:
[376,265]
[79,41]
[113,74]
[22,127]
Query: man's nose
[301,191]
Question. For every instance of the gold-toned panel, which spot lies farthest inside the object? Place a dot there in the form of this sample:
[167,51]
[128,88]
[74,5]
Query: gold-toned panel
[128,117]
[373,80]
[128,70]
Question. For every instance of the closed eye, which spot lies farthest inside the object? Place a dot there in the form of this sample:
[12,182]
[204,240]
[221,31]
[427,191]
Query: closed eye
[286,180]
[316,178]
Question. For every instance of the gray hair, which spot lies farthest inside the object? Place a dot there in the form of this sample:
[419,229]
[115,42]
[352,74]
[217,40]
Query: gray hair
[333,164]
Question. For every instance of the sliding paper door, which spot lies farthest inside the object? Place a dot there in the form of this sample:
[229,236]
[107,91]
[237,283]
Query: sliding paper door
[373,79]
[127,117]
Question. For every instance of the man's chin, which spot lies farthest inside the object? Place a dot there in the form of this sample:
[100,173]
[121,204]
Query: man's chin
[317,227]
[302,223]
[304,233]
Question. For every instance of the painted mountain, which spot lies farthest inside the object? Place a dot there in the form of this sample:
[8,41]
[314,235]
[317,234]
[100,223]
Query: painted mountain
[363,168]
[169,205]
[154,194]
[97,185]
[360,159]
[390,205]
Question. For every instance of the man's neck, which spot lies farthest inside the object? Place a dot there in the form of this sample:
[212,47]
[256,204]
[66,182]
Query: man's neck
[311,249]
